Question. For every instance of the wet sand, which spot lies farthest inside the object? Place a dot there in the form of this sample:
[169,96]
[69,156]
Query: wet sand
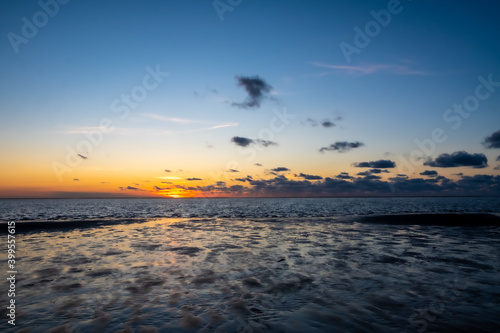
[259,275]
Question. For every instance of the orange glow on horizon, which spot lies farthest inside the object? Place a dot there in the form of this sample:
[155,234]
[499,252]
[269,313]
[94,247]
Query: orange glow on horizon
[177,193]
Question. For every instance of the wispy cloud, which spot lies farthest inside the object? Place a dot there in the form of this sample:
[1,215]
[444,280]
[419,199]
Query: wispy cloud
[221,126]
[190,121]
[367,69]
[169,119]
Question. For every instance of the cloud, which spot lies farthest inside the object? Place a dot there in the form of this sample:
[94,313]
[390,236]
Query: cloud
[258,164]
[169,119]
[458,159]
[133,188]
[232,170]
[430,173]
[246,179]
[327,123]
[380,164]
[266,143]
[498,158]
[245,142]
[342,146]
[82,157]
[280,169]
[166,170]
[370,69]
[256,88]
[370,176]
[76,179]
[378,171]
[345,185]
[309,177]
[492,141]
[344,175]
[241,141]
[191,179]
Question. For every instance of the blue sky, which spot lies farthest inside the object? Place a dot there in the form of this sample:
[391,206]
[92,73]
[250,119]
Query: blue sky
[64,80]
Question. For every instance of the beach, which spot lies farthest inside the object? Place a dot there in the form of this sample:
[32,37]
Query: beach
[284,274]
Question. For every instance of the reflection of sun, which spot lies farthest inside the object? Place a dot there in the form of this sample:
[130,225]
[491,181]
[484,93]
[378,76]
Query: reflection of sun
[178,193]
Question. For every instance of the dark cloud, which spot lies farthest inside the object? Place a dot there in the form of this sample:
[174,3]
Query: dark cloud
[344,175]
[280,169]
[133,188]
[479,183]
[245,142]
[256,88]
[498,158]
[241,141]
[345,185]
[430,173]
[246,179]
[370,176]
[190,179]
[399,176]
[232,170]
[378,171]
[266,143]
[380,164]
[166,170]
[310,122]
[492,141]
[309,177]
[458,159]
[258,164]
[327,123]
[76,179]
[342,146]
[82,157]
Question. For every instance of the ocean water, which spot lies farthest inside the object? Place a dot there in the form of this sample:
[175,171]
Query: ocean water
[88,209]
[252,265]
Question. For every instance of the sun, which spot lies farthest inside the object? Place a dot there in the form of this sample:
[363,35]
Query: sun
[178,193]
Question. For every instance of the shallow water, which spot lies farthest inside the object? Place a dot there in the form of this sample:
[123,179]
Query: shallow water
[250,275]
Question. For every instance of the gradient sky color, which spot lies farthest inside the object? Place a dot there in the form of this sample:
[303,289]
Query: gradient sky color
[70,68]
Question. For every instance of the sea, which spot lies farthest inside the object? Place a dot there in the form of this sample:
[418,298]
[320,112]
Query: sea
[251,265]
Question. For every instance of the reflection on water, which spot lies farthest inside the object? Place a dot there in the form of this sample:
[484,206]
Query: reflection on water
[229,275]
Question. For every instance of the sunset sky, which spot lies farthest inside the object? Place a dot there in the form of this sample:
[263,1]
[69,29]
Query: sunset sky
[249,98]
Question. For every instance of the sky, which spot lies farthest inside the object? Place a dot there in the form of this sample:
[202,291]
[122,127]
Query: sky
[261,98]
